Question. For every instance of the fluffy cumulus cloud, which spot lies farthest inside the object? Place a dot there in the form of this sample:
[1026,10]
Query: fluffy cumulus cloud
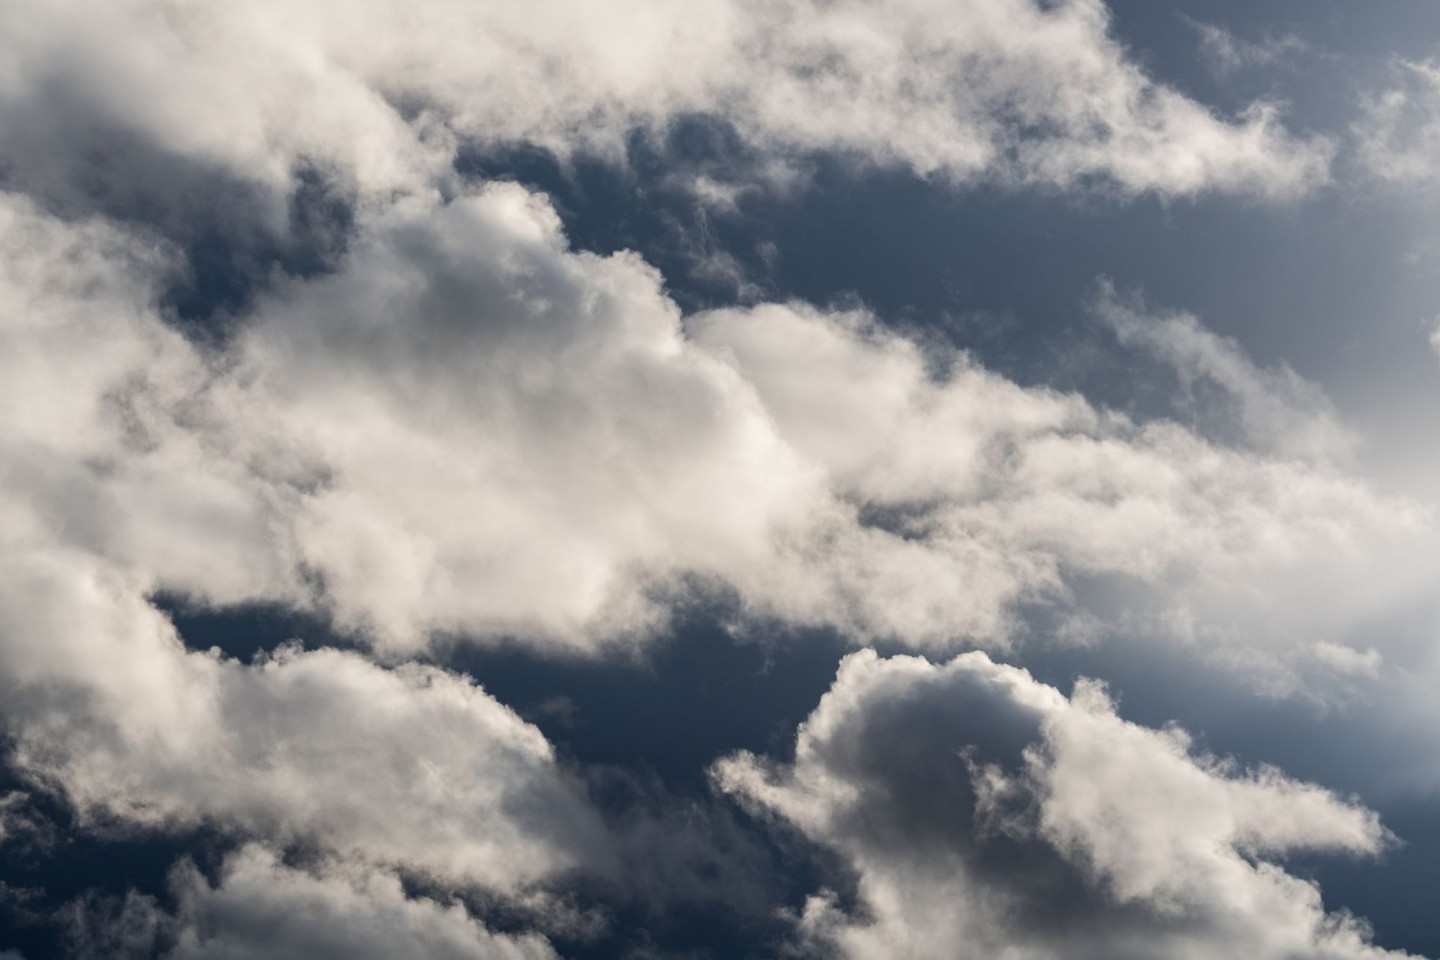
[514,438]
[979,807]
[1014,90]
[1001,495]
[409,766]
[119,482]
[470,429]
[429,418]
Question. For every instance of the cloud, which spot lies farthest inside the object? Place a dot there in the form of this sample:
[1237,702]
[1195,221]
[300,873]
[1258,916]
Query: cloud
[468,429]
[259,905]
[1008,497]
[21,824]
[262,908]
[123,479]
[1398,133]
[542,449]
[1226,53]
[515,438]
[410,766]
[1017,91]
[432,420]
[978,806]
[1279,412]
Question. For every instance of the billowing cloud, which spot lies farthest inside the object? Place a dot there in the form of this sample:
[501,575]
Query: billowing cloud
[424,418]
[409,766]
[469,429]
[121,480]
[1028,496]
[542,448]
[1016,91]
[513,438]
[977,806]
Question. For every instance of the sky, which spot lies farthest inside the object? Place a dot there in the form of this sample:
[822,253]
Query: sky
[857,479]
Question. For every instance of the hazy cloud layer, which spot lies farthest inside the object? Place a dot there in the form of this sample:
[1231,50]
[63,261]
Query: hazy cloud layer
[978,806]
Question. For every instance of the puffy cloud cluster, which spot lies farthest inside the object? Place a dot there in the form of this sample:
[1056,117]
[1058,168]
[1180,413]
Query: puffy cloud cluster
[119,482]
[1013,90]
[411,766]
[514,438]
[469,429]
[980,807]
[458,426]
[1004,495]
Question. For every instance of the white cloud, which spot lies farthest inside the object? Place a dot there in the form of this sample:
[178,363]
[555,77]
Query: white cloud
[470,429]
[1278,411]
[978,806]
[411,766]
[259,904]
[1397,137]
[516,438]
[375,92]
[1005,494]
[123,477]
[261,908]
